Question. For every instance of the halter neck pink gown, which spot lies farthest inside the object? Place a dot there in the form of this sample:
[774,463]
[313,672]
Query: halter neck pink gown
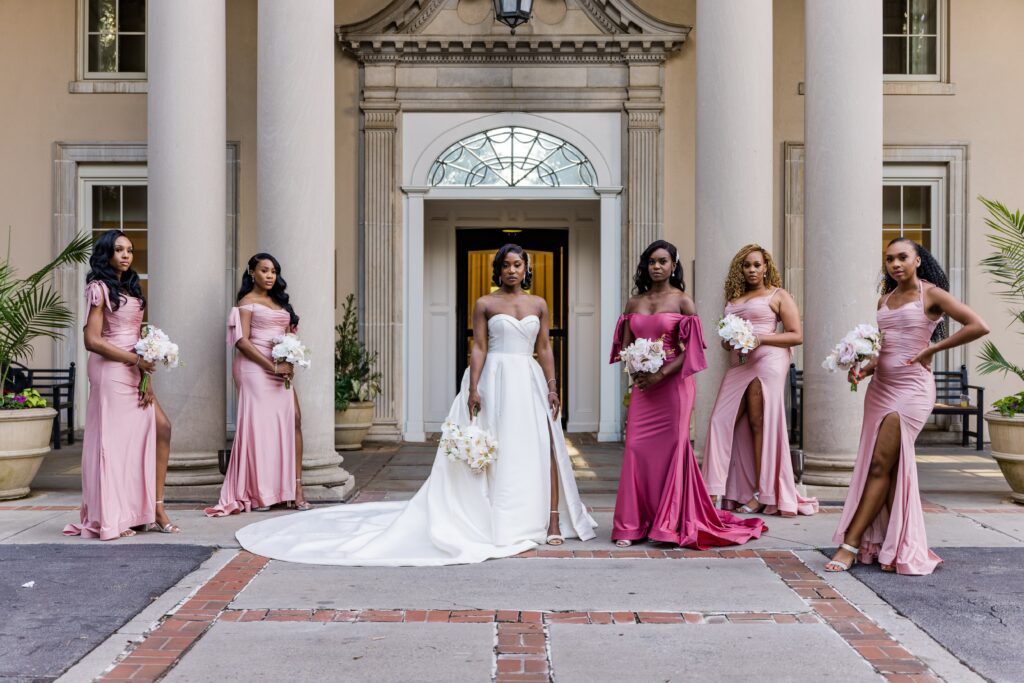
[661,494]
[261,471]
[896,537]
[119,447]
[728,465]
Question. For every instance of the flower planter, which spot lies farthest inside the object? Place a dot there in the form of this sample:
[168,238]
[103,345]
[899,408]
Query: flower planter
[1007,435]
[352,425]
[24,442]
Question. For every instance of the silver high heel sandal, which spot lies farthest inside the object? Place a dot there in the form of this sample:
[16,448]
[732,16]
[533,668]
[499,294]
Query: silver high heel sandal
[168,528]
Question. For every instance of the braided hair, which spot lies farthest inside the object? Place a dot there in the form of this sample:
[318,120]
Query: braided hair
[642,278]
[930,271]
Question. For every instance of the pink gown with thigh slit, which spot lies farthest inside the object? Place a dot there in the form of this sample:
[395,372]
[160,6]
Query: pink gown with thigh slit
[119,446]
[661,494]
[728,466]
[897,536]
[261,471]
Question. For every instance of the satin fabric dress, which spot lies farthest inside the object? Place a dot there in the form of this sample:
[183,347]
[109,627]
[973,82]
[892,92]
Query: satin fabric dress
[261,471]
[457,516]
[896,537]
[661,493]
[119,446]
[728,465]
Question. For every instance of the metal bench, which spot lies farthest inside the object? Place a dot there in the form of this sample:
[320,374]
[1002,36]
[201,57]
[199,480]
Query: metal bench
[56,385]
[950,385]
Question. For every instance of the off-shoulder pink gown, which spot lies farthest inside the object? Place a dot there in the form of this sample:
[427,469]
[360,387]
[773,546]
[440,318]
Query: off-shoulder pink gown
[728,465]
[119,447]
[261,471]
[661,494]
[896,537]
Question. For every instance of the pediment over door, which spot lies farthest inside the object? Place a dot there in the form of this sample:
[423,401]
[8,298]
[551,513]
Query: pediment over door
[464,31]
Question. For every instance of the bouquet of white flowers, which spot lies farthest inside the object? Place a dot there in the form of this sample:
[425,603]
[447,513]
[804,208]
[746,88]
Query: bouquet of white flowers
[856,350]
[738,333]
[473,445]
[289,349]
[156,347]
[643,355]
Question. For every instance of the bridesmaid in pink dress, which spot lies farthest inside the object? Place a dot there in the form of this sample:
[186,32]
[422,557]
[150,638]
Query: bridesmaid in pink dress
[882,518]
[127,436]
[746,455]
[266,456]
[661,494]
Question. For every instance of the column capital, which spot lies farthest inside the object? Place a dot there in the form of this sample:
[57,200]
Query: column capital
[610,191]
[416,190]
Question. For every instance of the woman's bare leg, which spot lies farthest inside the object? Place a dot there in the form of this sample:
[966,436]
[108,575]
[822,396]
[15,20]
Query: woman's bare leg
[553,526]
[884,459]
[753,400]
[299,496]
[163,456]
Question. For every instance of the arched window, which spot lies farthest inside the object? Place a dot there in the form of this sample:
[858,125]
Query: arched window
[512,157]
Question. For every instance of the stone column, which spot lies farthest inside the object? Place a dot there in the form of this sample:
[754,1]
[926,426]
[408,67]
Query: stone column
[644,179]
[415,368]
[187,228]
[382,262]
[734,162]
[843,219]
[295,205]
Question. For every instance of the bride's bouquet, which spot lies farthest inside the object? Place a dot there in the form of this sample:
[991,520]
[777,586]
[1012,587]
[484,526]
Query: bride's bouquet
[473,445]
[289,349]
[856,350]
[155,347]
[738,333]
[643,355]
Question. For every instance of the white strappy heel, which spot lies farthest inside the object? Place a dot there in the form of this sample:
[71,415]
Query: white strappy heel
[554,539]
[843,566]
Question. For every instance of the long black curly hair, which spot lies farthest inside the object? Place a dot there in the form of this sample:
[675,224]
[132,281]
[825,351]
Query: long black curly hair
[929,270]
[277,293]
[100,270]
[642,279]
[499,258]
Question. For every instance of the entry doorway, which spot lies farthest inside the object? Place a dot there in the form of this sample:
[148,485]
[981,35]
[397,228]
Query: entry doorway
[548,250]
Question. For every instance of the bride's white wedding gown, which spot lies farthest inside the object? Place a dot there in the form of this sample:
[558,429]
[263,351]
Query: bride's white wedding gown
[456,517]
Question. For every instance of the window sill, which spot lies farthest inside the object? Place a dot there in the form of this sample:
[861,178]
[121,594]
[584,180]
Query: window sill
[907,88]
[98,86]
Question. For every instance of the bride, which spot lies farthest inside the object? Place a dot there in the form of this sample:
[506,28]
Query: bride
[527,496]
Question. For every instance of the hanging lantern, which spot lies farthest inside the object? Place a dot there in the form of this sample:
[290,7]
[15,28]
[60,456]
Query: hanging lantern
[513,13]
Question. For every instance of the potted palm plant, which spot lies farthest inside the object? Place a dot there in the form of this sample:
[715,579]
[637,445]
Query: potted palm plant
[1006,267]
[356,383]
[30,308]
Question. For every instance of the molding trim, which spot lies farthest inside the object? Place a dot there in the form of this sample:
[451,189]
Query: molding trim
[112,87]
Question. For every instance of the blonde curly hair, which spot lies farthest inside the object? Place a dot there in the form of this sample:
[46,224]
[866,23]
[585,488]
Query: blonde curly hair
[736,284]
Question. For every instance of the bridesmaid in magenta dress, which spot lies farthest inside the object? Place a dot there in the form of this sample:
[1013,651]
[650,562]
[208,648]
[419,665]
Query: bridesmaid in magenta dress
[746,455]
[661,494]
[127,435]
[266,456]
[882,518]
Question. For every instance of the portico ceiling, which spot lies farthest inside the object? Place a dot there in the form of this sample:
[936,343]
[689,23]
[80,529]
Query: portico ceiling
[615,31]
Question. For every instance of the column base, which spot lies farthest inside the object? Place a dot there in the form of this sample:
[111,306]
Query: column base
[193,469]
[386,432]
[833,469]
[825,494]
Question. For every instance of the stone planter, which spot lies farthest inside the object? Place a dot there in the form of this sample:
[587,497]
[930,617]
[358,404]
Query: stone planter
[24,442]
[1007,435]
[352,425]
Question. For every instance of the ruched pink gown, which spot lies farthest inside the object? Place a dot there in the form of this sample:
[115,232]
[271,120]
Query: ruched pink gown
[261,471]
[896,537]
[661,494]
[728,465]
[119,447]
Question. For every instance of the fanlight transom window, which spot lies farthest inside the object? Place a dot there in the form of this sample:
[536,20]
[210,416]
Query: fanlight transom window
[512,156]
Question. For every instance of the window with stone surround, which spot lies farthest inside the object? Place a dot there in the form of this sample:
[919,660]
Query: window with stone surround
[914,38]
[112,40]
[512,156]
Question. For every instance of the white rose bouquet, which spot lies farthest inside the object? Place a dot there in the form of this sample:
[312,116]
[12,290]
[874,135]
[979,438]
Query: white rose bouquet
[155,347]
[856,350]
[738,333]
[472,445]
[643,355]
[289,349]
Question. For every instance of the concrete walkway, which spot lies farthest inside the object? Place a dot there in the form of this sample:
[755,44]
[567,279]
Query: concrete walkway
[586,611]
